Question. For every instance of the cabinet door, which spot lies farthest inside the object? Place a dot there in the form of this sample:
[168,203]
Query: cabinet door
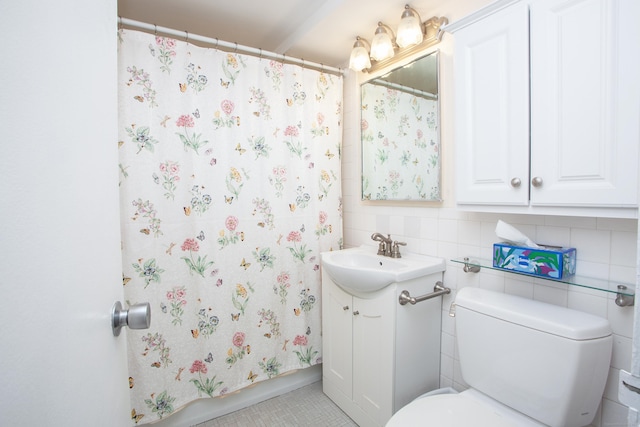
[337,337]
[492,109]
[585,102]
[373,349]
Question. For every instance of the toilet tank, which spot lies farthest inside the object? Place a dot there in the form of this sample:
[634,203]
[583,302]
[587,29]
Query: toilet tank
[548,362]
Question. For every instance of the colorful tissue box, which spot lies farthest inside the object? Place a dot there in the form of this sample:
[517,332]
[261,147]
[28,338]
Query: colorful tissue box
[548,262]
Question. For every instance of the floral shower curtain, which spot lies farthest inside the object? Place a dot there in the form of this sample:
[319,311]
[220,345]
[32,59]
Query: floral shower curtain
[230,189]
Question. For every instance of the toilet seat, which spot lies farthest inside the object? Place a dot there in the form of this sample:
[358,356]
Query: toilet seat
[468,408]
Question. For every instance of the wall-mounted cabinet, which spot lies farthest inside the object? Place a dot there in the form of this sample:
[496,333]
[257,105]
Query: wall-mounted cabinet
[547,107]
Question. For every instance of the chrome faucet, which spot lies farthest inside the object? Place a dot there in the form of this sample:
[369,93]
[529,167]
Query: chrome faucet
[384,248]
[387,247]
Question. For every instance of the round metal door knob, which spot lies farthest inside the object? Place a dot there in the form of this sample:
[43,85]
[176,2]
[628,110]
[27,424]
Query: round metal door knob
[138,316]
[515,182]
[536,182]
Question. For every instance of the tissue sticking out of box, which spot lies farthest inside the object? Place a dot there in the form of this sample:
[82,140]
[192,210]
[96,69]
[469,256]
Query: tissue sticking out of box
[513,236]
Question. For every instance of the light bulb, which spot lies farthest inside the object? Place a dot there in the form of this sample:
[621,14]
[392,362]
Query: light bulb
[410,28]
[359,59]
[381,45]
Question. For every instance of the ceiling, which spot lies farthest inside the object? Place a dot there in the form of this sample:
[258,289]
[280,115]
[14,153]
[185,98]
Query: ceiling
[321,31]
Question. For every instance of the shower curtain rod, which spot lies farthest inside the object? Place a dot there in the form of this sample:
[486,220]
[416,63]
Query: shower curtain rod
[406,89]
[235,47]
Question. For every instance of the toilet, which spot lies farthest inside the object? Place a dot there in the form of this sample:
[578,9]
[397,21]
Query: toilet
[527,363]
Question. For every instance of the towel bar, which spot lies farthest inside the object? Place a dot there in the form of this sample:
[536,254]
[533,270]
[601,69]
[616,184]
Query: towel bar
[438,289]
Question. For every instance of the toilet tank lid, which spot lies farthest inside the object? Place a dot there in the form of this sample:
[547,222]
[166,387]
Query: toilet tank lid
[553,319]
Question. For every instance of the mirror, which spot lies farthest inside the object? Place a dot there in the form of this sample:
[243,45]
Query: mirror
[400,128]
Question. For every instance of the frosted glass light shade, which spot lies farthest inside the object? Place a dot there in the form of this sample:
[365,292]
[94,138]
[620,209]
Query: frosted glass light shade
[381,45]
[359,58]
[409,30]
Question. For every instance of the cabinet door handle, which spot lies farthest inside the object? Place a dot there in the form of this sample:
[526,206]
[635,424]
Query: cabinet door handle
[355,313]
[536,181]
[345,308]
[515,182]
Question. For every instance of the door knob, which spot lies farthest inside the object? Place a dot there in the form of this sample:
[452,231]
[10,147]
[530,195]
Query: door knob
[138,316]
[536,182]
[515,182]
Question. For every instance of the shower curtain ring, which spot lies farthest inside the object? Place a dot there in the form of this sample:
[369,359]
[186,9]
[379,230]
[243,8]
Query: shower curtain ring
[155,30]
[187,36]
[235,51]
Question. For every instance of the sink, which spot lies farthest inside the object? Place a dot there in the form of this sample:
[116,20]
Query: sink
[361,269]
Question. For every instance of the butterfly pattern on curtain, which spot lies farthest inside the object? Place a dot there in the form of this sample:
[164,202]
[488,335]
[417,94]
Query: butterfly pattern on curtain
[393,120]
[229,190]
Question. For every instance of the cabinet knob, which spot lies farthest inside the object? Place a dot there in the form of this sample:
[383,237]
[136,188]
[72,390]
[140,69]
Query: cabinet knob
[355,313]
[345,308]
[515,182]
[536,181]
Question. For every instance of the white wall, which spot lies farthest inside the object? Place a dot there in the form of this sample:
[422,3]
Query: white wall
[606,247]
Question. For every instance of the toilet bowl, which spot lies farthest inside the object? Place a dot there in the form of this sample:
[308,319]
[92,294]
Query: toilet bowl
[527,364]
[469,408]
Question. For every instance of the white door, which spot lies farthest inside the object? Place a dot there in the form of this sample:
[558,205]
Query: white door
[60,269]
[492,109]
[373,350]
[337,337]
[585,102]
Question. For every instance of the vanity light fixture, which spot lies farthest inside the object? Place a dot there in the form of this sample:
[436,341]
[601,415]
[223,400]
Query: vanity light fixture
[360,55]
[410,28]
[413,36]
[382,43]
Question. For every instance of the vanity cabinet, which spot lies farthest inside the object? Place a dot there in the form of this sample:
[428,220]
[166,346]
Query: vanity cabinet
[547,107]
[378,355]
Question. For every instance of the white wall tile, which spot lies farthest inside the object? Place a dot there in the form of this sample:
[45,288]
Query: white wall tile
[623,248]
[557,236]
[621,357]
[469,232]
[429,228]
[594,303]
[591,245]
[621,319]
[614,414]
[448,230]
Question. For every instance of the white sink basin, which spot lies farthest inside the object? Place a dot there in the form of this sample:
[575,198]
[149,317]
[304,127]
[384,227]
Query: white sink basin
[361,269]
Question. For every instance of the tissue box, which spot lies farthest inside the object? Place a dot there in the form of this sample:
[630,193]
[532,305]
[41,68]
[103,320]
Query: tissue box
[550,262]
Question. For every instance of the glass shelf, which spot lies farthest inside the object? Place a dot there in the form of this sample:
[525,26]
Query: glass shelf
[473,265]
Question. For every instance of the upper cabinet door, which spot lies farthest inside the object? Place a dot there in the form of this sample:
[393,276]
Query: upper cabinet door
[492,108]
[585,102]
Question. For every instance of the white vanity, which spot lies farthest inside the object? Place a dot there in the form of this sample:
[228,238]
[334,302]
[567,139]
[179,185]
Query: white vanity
[378,355]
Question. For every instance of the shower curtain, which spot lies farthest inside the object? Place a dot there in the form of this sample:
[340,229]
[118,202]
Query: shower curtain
[229,190]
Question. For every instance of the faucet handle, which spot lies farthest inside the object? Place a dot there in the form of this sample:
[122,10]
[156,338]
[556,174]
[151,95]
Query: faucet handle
[395,251]
[381,248]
